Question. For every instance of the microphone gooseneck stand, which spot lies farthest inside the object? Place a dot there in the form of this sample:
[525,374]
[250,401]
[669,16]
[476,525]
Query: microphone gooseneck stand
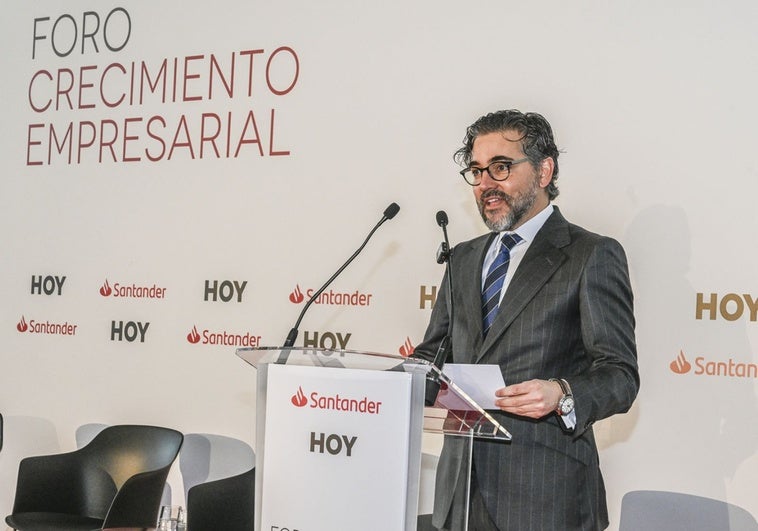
[389,213]
[444,255]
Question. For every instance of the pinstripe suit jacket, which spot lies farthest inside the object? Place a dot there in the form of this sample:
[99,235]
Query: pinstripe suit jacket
[568,314]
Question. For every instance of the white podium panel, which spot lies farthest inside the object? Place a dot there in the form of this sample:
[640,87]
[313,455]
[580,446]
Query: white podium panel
[338,442]
[336,450]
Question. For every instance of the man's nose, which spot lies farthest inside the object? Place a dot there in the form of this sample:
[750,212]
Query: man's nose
[486,180]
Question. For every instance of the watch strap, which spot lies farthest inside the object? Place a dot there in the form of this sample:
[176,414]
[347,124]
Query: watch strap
[564,385]
[567,396]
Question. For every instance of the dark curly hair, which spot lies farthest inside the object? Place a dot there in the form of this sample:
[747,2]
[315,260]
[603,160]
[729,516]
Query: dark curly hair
[537,140]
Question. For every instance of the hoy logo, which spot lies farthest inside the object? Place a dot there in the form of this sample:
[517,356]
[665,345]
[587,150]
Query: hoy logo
[731,307]
[326,340]
[129,331]
[333,443]
[225,290]
[48,285]
[427,296]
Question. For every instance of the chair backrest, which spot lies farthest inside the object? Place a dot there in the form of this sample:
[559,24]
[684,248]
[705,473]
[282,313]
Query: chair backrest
[207,457]
[674,511]
[116,454]
[225,504]
[126,450]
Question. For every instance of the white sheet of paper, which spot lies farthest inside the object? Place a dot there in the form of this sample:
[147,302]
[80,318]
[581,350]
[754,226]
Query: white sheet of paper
[478,381]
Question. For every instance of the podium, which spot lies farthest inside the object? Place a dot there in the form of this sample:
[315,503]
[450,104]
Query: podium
[339,437]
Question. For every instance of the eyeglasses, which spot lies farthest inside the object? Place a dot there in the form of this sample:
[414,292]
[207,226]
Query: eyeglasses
[499,170]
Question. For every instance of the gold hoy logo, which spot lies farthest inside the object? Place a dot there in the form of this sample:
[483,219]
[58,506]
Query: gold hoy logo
[680,365]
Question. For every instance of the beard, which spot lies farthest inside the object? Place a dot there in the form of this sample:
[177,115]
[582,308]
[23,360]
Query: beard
[518,206]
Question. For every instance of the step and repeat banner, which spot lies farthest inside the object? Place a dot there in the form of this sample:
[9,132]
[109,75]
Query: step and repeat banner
[180,177]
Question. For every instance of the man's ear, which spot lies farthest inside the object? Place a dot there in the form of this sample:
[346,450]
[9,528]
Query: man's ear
[546,171]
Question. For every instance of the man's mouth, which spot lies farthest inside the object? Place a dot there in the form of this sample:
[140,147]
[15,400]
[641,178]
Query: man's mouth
[494,199]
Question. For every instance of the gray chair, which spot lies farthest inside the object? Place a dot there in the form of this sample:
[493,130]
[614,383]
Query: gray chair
[651,510]
[207,457]
[115,481]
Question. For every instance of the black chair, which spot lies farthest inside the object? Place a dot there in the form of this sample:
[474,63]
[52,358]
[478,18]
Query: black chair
[226,504]
[115,481]
[424,523]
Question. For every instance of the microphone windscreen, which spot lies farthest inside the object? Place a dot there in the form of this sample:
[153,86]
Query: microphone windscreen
[441,218]
[391,211]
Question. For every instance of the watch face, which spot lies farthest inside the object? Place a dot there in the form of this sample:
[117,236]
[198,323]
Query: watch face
[566,405]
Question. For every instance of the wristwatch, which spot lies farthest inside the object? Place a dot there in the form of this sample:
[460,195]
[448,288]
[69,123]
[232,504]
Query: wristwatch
[566,403]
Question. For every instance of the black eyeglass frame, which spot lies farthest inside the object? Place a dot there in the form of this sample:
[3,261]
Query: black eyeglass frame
[478,181]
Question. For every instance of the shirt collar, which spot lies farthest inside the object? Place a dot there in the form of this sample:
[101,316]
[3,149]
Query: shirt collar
[529,230]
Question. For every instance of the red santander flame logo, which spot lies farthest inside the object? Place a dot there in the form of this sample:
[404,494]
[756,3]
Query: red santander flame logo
[297,296]
[193,337]
[22,326]
[298,399]
[680,365]
[407,348]
[105,289]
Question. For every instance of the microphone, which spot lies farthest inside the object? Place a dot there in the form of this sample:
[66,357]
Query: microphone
[443,252]
[444,255]
[389,213]
[442,218]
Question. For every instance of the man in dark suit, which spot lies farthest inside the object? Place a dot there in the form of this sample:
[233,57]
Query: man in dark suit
[551,304]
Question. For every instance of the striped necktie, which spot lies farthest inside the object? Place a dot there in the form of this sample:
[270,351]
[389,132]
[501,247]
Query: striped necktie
[493,284]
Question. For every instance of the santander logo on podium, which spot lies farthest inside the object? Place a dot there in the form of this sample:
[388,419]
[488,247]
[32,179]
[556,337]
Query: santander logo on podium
[298,399]
[336,402]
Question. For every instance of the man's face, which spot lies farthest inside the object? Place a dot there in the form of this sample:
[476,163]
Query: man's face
[506,205]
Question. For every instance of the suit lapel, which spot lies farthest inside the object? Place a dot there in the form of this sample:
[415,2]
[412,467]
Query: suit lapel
[541,261]
[470,265]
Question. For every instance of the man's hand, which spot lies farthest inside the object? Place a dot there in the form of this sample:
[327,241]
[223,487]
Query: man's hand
[534,399]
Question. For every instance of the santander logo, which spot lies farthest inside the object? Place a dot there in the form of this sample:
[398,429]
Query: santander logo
[680,365]
[194,336]
[298,399]
[707,366]
[105,289]
[35,326]
[132,291]
[331,297]
[336,402]
[296,297]
[407,348]
[223,337]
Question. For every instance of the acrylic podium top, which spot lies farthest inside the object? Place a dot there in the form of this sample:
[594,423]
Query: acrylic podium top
[454,412]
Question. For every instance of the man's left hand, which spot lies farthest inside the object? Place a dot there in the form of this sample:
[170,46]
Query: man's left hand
[534,398]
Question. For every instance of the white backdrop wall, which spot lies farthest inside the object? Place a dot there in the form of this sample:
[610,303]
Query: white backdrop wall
[337,109]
